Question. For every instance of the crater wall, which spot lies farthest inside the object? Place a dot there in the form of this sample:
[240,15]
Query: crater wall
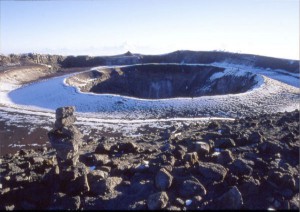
[157,81]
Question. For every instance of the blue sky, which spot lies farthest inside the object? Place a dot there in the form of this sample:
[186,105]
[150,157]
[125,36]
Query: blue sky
[107,27]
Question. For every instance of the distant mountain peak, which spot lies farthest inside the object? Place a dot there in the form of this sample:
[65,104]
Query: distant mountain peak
[128,53]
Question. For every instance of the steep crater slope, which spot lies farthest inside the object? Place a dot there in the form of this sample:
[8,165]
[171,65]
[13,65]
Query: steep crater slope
[157,81]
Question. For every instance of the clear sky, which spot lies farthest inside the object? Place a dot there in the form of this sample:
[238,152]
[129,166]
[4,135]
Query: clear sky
[107,27]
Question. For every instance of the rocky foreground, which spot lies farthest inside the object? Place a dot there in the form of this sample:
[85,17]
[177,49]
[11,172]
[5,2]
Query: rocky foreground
[249,163]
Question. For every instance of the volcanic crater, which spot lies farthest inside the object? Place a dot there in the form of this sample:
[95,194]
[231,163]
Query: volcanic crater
[161,81]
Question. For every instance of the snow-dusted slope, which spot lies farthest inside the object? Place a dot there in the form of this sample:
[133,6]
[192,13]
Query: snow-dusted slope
[269,95]
[277,74]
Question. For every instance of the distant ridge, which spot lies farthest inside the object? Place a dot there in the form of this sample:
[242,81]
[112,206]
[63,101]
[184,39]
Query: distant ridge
[180,56]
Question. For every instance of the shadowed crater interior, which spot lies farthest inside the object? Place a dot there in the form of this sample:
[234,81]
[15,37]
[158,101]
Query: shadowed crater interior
[157,81]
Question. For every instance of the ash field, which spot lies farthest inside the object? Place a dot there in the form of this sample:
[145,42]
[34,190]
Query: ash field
[184,130]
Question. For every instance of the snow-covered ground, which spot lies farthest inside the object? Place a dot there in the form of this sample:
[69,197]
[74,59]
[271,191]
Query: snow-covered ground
[277,74]
[269,95]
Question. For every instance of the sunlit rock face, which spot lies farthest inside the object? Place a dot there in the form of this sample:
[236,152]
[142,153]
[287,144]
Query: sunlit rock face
[159,81]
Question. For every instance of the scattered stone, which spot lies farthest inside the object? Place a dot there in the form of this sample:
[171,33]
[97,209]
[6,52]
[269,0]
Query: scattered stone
[231,200]
[179,201]
[256,137]
[112,182]
[249,187]
[36,160]
[79,184]
[213,125]
[126,147]
[281,180]
[100,159]
[105,186]
[202,148]
[157,201]
[103,148]
[62,201]
[14,169]
[225,157]
[226,130]
[212,171]
[96,175]
[212,136]
[163,179]
[241,167]
[224,143]
[191,187]
[180,152]
[269,147]
[191,158]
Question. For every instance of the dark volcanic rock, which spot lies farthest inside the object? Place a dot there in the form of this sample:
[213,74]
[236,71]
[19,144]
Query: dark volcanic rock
[103,148]
[101,186]
[202,148]
[100,159]
[126,147]
[157,201]
[213,125]
[281,180]
[163,179]
[62,201]
[179,152]
[191,158]
[224,143]
[225,157]
[256,137]
[191,187]
[122,174]
[249,187]
[270,147]
[212,136]
[241,167]
[212,171]
[74,179]
[232,199]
